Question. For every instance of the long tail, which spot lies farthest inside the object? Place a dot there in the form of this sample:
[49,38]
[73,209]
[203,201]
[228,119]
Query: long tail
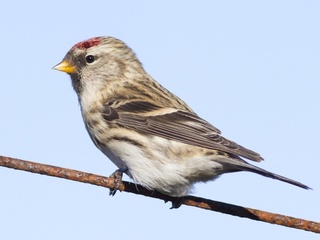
[244,166]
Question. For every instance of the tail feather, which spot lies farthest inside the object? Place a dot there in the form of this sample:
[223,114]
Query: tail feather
[252,168]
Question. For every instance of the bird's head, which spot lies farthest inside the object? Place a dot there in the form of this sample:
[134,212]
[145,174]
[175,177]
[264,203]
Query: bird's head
[94,62]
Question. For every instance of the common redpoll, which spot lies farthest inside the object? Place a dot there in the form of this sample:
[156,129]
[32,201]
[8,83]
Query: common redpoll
[148,132]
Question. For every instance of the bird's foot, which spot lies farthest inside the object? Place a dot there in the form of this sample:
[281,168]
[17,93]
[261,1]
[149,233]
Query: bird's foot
[117,175]
[175,203]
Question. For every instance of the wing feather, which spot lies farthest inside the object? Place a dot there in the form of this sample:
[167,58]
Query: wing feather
[174,124]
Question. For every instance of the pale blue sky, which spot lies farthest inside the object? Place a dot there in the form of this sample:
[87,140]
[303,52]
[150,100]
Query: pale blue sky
[251,68]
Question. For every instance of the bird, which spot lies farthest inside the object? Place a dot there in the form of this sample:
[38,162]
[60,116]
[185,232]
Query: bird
[149,133]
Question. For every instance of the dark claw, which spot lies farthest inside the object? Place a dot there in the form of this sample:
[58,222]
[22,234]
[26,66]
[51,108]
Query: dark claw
[113,191]
[117,175]
[175,203]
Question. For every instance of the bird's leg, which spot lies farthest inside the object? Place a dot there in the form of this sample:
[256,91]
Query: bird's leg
[117,175]
[177,203]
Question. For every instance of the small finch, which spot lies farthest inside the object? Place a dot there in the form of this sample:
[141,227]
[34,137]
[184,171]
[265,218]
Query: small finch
[146,131]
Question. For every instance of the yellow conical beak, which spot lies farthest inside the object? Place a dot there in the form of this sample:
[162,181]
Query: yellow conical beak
[66,67]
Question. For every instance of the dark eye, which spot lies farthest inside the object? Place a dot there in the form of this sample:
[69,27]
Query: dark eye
[90,59]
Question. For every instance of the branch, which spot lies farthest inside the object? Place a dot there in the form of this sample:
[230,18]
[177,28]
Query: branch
[207,204]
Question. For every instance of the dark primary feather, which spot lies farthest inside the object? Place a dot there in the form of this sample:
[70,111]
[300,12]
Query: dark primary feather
[181,126]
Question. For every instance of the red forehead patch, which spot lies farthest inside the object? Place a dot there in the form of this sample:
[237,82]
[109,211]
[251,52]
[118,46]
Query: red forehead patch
[88,43]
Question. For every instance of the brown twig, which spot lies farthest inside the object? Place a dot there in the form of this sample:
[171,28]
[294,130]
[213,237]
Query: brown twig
[137,189]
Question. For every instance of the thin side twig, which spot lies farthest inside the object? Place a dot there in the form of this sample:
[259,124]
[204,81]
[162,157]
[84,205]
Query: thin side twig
[203,203]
